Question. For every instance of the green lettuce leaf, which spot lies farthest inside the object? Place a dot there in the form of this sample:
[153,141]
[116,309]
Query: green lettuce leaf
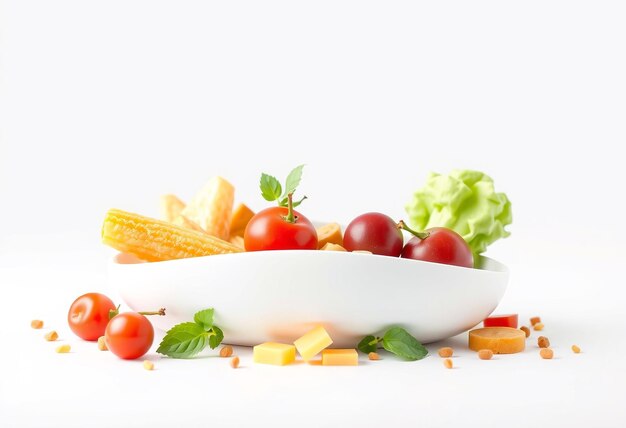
[464,201]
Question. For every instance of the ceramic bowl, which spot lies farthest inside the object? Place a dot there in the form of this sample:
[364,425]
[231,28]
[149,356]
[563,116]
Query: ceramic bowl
[279,295]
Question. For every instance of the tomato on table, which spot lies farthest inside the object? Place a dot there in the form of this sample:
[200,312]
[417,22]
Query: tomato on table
[508,320]
[129,335]
[89,315]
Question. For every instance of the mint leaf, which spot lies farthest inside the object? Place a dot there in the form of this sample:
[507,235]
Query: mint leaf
[184,340]
[398,341]
[270,187]
[293,180]
[368,344]
[216,338]
[204,318]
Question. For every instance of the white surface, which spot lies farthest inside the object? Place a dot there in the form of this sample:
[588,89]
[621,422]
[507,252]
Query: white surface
[111,104]
[278,296]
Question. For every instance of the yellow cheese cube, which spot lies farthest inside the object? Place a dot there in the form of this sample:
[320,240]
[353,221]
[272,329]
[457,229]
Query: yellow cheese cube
[340,357]
[278,354]
[313,342]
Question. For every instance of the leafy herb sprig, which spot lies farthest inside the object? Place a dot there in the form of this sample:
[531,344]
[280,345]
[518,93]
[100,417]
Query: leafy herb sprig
[187,339]
[397,341]
[272,190]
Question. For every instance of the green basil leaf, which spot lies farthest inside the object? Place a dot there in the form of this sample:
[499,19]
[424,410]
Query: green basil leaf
[368,344]
[184,340]
[270,187]
[293,180]
[398,341]
[204,318]
[216,338]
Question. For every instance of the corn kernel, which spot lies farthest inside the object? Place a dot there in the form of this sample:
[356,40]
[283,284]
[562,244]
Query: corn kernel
[148,365]
[448,363]
[575,349]
[446,352]
[102,344]
[36,324]
[373,356]
[538,327]
[546,353]
[51,336]
[543,342]
[226,351]
[234,362]
[485,354]
[63,349]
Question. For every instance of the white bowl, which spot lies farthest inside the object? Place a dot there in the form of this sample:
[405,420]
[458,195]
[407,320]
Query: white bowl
[279,295]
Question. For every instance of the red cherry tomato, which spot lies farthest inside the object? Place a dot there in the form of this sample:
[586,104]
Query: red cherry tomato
[373,232]
[268,230]
[442,245]
[89,315]
[509,320]
[129,335]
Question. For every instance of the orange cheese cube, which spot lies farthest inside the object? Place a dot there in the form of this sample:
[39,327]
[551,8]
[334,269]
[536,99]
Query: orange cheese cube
[278,354]
[340,357]
[313,343]
[329,233]
[239,220]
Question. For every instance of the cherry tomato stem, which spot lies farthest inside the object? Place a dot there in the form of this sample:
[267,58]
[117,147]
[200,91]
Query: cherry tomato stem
[290,218]
[421,235]
[116,311]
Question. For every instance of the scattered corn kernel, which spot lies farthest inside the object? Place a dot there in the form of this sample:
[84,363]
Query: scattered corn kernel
[575,349]
[102,345]
[538,326]
[234,362]
[226,351]
[373,356]
[543,342]
[546,353]
[446,352]
[51,336]
[535,320]
[36,324]
[448,363]
[148,365]
[485,354]
[63,349]
[526,330]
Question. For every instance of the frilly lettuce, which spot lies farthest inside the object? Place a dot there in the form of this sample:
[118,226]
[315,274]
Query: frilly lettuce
[464,201]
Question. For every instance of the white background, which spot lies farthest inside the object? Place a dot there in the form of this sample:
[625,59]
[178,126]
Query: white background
[110,104]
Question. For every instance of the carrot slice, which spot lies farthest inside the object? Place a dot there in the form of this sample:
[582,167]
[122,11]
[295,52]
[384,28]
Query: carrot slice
[501,340]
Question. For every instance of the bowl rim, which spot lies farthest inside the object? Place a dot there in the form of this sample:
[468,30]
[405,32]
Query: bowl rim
[485,264]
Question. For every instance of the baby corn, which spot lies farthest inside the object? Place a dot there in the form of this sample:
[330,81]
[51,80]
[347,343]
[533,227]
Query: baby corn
[154,240]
